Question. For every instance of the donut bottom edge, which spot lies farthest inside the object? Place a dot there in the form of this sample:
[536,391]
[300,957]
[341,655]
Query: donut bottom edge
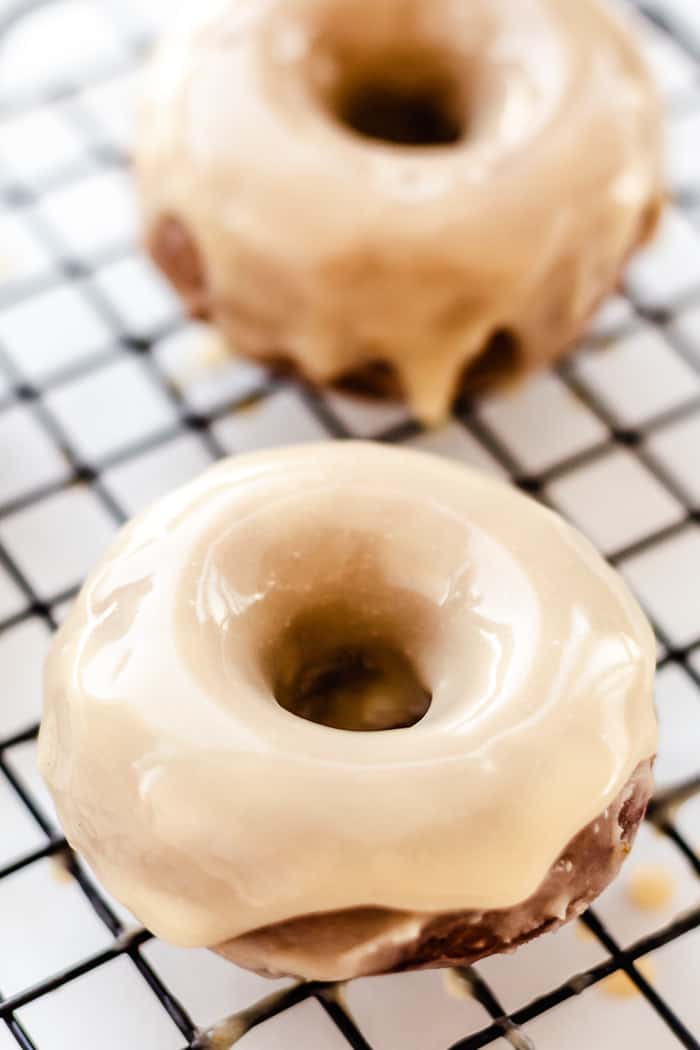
[505,358]
[362,942]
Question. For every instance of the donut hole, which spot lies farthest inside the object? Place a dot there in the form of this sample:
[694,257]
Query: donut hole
[343,671]
[330,605]
[410,98]
[419,115]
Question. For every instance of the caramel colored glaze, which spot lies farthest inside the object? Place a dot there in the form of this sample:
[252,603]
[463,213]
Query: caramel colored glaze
[620,985]
[211,811]
[337,251]
[650,888]
[344,945]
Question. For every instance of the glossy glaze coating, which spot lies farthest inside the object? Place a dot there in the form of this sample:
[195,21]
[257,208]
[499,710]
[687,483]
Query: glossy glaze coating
[343,945]
[212,811]
[303,239]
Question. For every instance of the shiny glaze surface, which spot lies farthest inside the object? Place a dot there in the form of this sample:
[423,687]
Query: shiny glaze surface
[212,811]
[337,250]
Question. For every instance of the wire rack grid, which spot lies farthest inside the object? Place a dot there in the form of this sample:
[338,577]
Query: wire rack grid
[108,397]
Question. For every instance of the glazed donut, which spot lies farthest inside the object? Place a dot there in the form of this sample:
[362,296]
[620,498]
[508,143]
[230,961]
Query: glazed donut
[416,196]
[343,709]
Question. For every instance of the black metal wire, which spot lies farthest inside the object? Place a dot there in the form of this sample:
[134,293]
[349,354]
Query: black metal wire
[16,197]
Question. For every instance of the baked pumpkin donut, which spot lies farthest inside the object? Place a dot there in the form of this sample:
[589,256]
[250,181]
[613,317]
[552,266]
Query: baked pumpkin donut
[410,195]
[345,709]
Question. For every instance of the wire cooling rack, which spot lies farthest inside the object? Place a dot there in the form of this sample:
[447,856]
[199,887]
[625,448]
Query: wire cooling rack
[108,398]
